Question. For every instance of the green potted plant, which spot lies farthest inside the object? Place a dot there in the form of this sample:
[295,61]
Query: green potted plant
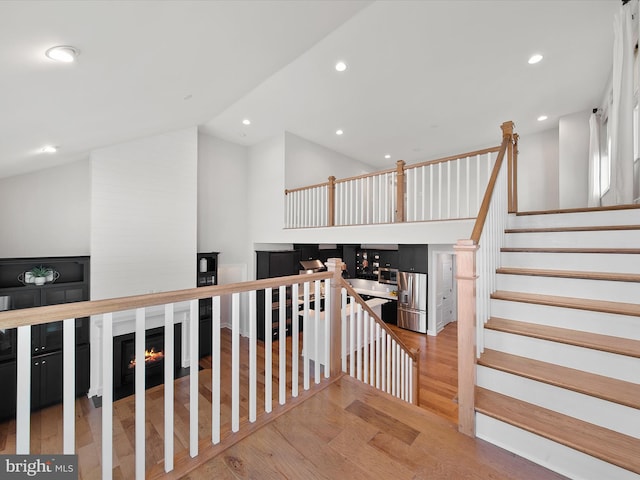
[41,273]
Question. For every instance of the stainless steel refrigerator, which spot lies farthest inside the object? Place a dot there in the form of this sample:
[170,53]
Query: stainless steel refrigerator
[412,301]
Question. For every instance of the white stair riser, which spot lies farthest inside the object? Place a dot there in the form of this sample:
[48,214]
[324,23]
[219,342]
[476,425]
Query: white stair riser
[589,262]
[582,219]
[595,239]
[606,414]
[573,319]
[545,452]
[625,292]
[594,361]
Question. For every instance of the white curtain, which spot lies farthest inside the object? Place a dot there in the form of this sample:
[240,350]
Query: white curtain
[621,115]
[595,190]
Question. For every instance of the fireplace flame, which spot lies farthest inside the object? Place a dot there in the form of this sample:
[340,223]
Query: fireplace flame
[150,356]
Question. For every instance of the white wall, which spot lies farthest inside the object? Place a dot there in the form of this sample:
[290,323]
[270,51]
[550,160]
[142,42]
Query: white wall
[538,171]
[223,223]
[46,213]
[574,160]
[266,192]
[144,215]
[308,163]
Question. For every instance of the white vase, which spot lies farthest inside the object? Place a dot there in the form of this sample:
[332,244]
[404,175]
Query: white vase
[40,280]
[203,265]
[28,277]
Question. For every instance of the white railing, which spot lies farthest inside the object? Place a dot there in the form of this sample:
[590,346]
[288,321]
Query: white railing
[448,189]
[373,354]
[444,189]
[366,200]
[293,299]
[488,254]
[307,207]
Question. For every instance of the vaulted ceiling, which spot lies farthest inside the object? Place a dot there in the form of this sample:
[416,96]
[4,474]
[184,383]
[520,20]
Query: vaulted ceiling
[423,77]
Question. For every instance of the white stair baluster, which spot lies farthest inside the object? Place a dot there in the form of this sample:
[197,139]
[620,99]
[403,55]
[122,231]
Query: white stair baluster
[235,362]
[215,370]
[268,349]
[169,356]
[69,385]
[140,392]
[252,356]
[107,394]
[282,344]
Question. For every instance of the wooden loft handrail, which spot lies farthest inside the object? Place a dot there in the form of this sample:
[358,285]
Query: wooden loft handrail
[507,140]
[308,187]
[52,313]
[454,157]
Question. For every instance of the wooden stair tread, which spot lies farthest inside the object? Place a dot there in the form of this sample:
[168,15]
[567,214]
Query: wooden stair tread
[607,445]
[604,306]
[605,343]
[570,250]
[594,228]
[611,276]
[605,388]
[629,206]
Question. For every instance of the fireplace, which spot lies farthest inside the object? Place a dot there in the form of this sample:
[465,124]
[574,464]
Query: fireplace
[125,362]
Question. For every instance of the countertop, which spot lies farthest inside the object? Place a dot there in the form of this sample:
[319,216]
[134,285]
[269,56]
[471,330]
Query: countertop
[376,293]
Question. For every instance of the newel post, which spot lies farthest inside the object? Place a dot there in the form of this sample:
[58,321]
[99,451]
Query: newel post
[400,191]
[507,133]
[331,208]
[466,281]
[334,265]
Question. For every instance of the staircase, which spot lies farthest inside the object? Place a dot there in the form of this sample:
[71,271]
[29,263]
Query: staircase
[559,379]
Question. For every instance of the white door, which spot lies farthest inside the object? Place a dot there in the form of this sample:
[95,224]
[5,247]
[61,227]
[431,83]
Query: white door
[445,294]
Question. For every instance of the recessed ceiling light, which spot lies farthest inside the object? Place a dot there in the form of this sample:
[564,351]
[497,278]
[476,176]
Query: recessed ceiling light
[49,149]
[341,66]
[339,132]
[535,59]
[387,156]
[542,118]
[246,121]
[62,53]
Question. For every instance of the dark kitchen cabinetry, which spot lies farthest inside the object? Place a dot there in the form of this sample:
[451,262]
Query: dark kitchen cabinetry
[207,275]
[70,284]
[413,258]
[275,264]
[390,312]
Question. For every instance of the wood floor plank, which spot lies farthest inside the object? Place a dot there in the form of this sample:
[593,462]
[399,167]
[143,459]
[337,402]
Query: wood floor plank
[384,422]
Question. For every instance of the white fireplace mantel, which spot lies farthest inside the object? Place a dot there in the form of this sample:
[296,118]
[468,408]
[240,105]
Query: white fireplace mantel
[125,322]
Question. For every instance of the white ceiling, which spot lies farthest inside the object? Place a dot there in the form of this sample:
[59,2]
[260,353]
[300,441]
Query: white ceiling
[424,77]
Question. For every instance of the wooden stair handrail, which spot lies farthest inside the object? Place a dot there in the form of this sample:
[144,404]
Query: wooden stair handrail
[52,313]
[507,141]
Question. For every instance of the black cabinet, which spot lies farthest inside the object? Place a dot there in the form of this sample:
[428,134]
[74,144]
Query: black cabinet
[390,312]
[275,264]
[413,258]
[207,275]
[68,282]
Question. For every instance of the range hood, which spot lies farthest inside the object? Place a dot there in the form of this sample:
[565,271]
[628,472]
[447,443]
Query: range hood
[311,266]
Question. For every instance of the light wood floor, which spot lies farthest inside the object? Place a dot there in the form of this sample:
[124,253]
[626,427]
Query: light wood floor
[326,414]
[350,431]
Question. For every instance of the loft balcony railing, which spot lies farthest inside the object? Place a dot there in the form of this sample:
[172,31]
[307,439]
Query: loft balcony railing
[443,189]
[345,337]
